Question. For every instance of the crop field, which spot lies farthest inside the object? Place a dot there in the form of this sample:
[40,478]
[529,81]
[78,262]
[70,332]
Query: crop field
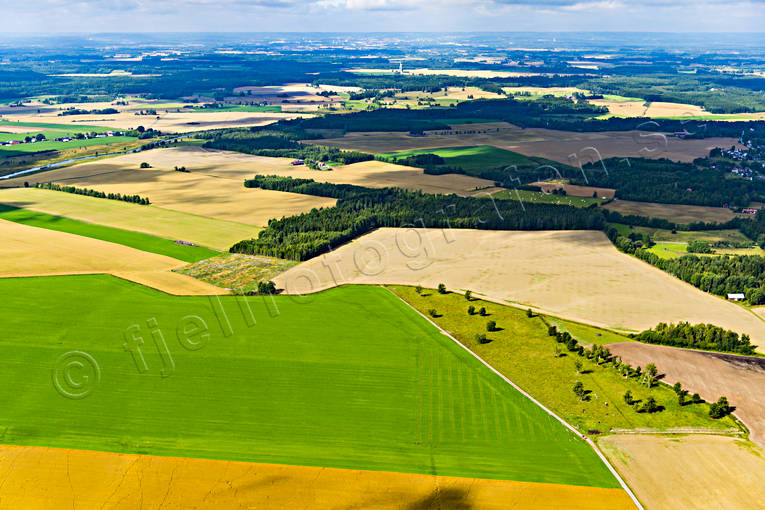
[137,240]
[87,479]
[633,107]
[248,383]
[577,275]
[194,192]
[544,143]
[673,212]
[173,225]
[522,350]
[51,145]
[740,378]
[32,251]
[696,471]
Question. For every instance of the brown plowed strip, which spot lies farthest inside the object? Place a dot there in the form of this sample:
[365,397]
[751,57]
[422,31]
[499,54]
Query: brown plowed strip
[740,378]
[49,478]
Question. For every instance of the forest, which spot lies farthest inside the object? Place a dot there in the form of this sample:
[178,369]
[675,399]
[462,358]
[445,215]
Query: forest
[699,336]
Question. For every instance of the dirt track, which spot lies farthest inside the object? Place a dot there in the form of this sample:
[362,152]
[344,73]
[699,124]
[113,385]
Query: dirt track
[711,375]
[48,478]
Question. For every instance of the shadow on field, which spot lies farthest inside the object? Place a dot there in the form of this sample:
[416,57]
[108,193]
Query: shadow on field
[447,499]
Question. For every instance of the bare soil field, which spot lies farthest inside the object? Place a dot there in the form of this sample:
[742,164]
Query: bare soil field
[201,230]
[31,251]
[711,375]
[563,146]
[576,191]
[673,212]
[195,192]
[695,471]
[576,275]
[49,478]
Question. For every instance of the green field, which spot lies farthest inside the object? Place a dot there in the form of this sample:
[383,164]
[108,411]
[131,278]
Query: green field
[54,146]
[138,240]
[66,128]
[468,158]
[349,378]
[538,197]
[524,353]
[241,108]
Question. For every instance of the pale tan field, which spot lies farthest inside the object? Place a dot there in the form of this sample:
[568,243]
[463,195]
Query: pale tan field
[658,109]
[233,168]
[5,128]
[563,146]
[622,108]
[673,212]
[711,375]
[576,275]
[50,478]
[456,93]
[574,190]
[196,192]
[201,230]
[541,91]
[300,97]
[697,471]
[31,251]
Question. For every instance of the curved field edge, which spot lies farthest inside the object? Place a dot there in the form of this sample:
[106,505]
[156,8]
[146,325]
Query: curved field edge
[87,478]
[349,378]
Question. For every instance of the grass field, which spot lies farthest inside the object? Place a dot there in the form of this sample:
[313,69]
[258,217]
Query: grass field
[137,240]
[11,150]
[576,275]
[88,480]
[237,271]
[175,225]
[698,471]
[350,378]
[523,352]
[539,197]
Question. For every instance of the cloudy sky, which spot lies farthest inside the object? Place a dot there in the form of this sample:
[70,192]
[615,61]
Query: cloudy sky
[382,15]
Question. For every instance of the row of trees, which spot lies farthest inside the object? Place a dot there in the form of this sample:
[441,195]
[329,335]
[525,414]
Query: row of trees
[134,199]
[699,336]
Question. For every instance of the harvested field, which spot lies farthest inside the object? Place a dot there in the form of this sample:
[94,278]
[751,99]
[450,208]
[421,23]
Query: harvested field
[563,146]
[577,275]
[467,73]
[194,192]
[31,251]
[235,167]
[200,230]
[696,471]
[711,375]
[90,480]
[673,212]
[576,191]
[658,109]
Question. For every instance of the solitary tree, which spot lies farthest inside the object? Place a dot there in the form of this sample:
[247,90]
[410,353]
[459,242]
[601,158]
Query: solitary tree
[579,390]
[677,387]
[650,405]
[418,289]
[468,295]
[441,288]
[696,399]
[681,397]
[628,398]
[552,331]
[649,375]
[482,311]
[529,313]
[719,408]
[471,310]
[432,312]
[481,338]
[491,326]
[578,366]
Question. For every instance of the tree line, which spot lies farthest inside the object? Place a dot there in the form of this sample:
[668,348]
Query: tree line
[699,336]
[134,199]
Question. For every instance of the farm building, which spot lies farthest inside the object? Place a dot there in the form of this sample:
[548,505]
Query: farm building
[736,297]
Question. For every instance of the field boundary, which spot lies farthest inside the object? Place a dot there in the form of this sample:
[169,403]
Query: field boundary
[535,401]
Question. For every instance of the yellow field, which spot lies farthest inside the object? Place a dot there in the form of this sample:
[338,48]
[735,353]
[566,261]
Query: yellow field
[456,93]
[673,212]
[49,478]
[563,146]
[198,192]
[466,73]
[31,251]
[201,230]
[541,91]
[659,109]
[696,471]
[577,275]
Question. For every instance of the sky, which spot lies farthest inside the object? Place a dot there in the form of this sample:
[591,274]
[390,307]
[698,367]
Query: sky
[67,16]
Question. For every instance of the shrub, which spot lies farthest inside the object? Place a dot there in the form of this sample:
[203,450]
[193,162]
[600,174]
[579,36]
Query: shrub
[491,326]
[418,289]
[628,398]
[529,313]
[468,295]
[471,310]
[482,312]
[268,287]
[433,312]
[552,331]
[145,165]
[441,288]
[481,338]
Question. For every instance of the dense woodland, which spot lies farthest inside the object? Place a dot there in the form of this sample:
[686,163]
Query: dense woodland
[700,336]
[360,210]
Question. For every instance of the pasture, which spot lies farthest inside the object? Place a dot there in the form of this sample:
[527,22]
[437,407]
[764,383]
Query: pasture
[696,471]
[32,251]
[236,271]
[522,350]
[539,197]
[322,381]
[137,240]
[174,225]
[194,193]
[676,213]
[88,479]
[468,158]
[565,147]
[577,275]
[740,378]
